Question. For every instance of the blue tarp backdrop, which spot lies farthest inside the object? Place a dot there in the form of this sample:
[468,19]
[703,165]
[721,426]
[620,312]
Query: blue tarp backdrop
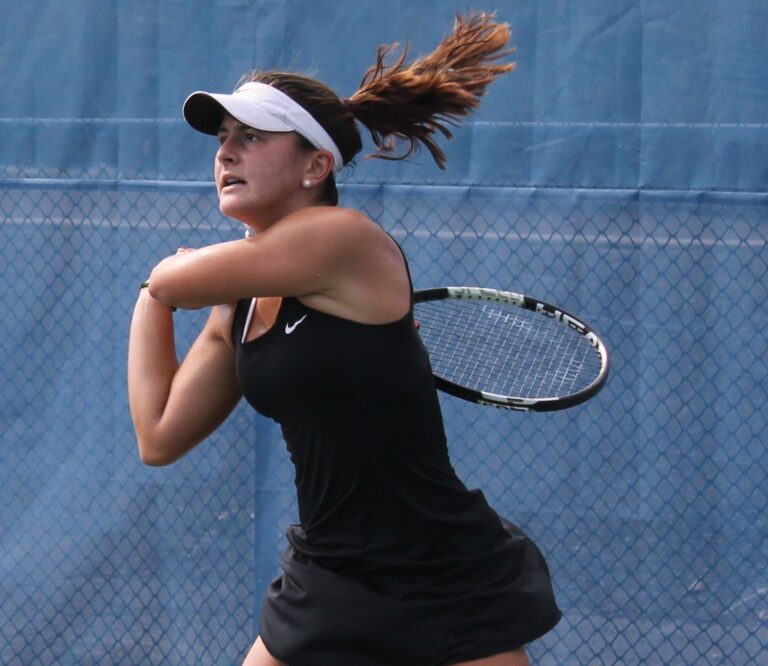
[620,172]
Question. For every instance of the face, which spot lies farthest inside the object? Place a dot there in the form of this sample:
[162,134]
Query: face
[258,174]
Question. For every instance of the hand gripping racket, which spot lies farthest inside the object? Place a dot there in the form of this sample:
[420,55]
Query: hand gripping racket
[508,350]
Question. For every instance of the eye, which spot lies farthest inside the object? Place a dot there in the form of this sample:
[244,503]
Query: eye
[250,136]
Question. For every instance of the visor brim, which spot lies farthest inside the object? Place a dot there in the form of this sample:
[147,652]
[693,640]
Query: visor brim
[204,112]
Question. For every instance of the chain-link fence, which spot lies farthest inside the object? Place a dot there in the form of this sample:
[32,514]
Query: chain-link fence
[649,501]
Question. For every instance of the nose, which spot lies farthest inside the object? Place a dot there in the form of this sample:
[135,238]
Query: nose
[225,153]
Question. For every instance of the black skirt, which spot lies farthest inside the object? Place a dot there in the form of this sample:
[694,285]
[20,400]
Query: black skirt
[462,610]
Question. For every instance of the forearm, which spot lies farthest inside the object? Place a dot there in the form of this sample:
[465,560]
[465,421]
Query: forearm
[152,364]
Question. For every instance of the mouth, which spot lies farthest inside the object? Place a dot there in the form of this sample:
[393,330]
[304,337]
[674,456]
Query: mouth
[230,182]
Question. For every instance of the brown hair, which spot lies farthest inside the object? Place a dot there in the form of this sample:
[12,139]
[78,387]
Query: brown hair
[412,102]
[408,102]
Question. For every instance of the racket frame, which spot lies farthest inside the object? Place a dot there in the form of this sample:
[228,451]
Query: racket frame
[565,318]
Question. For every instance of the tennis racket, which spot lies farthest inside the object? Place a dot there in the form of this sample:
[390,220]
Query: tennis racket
[508,350]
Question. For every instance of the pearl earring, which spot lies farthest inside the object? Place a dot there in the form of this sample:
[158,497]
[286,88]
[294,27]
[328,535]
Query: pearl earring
[307,183]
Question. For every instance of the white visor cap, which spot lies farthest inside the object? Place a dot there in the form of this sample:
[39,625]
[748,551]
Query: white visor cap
[262,107]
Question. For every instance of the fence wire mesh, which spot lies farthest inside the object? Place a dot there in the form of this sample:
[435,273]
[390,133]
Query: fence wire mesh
[649,501]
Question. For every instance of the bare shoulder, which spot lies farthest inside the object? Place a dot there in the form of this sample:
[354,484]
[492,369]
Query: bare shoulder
[345,235]
[346,238]
[353,235]
[337,222]
[370,282]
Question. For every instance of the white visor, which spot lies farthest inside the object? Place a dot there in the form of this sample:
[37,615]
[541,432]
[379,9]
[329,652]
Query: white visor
[262,107]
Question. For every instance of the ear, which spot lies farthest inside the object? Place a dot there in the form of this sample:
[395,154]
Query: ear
[319,166]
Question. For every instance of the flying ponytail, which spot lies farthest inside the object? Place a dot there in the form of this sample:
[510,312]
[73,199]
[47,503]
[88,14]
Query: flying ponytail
[412,102]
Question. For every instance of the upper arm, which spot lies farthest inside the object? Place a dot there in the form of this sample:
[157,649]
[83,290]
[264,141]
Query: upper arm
[313,251]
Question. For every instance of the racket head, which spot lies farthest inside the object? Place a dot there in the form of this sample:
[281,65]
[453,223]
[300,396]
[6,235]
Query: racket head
[508,350]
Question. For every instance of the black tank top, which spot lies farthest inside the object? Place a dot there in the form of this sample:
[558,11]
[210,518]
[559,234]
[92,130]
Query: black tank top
[359,413]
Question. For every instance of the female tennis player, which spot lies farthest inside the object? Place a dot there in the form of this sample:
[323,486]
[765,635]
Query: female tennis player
[394,562]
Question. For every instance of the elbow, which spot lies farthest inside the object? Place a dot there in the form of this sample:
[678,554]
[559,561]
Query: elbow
[169,281]
[155,456]
[161,287]
[151,460]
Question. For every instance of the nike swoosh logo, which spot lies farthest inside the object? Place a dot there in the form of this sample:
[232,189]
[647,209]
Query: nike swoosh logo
[290,328]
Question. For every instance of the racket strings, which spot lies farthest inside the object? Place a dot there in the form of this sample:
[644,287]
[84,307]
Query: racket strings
[505,350]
